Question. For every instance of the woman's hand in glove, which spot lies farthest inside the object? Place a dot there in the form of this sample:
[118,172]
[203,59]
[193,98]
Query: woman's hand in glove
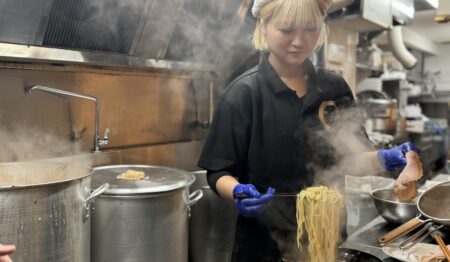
[405,186]
[248,200]
[413,170]
[395,158]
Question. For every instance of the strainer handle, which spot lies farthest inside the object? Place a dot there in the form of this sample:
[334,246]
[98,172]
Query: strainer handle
[400,231]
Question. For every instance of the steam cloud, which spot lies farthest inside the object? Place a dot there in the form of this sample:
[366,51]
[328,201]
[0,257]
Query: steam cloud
[23,144]
[215,32]
[348,142]
[31,157]
[198,31]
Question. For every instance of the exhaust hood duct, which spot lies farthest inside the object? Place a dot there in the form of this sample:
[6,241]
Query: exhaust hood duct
[107,26]
[399,49]
[421,5]
[364,15]
[443,12]
[403,11]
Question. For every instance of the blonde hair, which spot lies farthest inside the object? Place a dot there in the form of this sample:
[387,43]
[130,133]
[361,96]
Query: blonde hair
[297,13]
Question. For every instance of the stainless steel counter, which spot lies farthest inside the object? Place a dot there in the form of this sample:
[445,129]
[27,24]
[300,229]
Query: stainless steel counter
[365,239]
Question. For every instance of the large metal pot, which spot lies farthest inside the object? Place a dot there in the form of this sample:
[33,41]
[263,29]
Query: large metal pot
[44,212]
[143,220]
[211,226]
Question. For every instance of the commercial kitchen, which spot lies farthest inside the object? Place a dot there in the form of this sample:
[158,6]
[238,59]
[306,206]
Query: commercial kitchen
[93,90]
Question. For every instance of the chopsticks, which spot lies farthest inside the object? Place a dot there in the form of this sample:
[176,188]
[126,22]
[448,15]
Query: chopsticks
[424,232]
[244,196]
[419,235]
[438,237]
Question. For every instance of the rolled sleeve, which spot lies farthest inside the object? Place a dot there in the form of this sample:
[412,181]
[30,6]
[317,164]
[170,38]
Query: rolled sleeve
[214,176]
[226,147]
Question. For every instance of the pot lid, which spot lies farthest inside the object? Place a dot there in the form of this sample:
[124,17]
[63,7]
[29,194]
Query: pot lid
[154,179]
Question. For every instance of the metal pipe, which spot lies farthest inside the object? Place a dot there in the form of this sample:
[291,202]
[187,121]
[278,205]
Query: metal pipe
[399,49]
[97,140]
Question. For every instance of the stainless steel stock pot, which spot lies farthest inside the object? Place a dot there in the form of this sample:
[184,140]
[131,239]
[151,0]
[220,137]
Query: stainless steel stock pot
[211,226]
[44,210]
[142,220]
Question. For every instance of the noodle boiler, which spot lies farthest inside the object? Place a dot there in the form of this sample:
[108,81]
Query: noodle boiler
[45,210]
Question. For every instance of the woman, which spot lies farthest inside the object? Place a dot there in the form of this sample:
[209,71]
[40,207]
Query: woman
[266,133]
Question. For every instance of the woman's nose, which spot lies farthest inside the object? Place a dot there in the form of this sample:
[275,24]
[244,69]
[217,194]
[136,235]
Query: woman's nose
[297,40]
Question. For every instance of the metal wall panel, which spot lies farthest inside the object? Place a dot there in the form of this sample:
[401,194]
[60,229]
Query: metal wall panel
[140,109]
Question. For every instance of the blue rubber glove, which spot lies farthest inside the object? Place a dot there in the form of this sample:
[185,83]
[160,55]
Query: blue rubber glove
[255,202]
[394,158]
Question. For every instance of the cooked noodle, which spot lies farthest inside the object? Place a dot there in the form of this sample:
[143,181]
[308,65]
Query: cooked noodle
[318,213]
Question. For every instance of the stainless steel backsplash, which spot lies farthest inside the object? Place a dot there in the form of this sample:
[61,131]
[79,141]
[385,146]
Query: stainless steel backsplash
[143,109]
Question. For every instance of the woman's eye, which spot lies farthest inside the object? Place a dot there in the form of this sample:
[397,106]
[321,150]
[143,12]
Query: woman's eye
[286,30]
[311,29]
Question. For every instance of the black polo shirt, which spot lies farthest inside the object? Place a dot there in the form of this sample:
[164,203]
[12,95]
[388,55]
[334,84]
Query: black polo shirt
[264,134]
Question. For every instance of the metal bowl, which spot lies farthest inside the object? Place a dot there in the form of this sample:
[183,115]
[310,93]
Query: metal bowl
[391,209]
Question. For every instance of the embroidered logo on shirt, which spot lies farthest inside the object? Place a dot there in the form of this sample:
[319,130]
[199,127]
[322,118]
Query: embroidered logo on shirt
[328,113]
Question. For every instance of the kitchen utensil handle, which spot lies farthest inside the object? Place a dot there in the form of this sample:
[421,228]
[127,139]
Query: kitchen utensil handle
[442,245]
[195,196]
[241,196]
[419,235]
[431,231]
[400,231]
[245,196]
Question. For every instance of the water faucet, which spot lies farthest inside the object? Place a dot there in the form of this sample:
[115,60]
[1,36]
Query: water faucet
[97,140]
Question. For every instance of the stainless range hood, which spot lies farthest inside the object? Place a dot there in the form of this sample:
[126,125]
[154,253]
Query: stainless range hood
[112,26]
[193,31]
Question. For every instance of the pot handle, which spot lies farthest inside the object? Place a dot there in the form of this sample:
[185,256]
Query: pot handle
[195,196]
[87,203]
[100,190]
